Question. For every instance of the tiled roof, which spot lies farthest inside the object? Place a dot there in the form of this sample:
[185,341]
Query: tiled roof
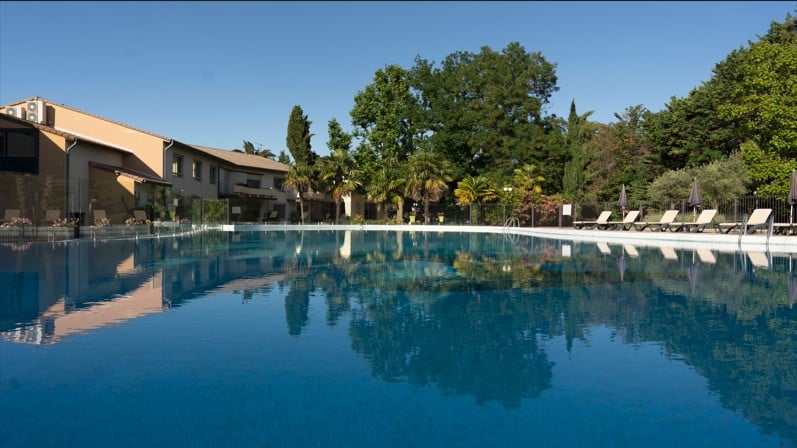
[242,159]
[38,98]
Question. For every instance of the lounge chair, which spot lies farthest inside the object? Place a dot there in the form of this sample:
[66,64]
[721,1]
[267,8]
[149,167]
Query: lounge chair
[604,248]
[602,220]
[626,223]
[11,213]
[665,222]
[759,218]
[273,216]
[760,259]
[668,253]
[50,216]
[706,256]
[630,250]
[99,215]
[704,219]
[140,215]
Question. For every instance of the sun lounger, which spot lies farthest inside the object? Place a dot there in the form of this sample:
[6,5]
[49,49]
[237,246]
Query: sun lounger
[759,218]
[602,220]
[140,215]
[625,224]
[704,219]
[706,256]
[50,216]
[630,250]
[668,253]
[100,218]
[760,259]
[11,213]
[665,221]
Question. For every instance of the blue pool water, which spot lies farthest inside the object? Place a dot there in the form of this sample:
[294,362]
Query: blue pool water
[394,339]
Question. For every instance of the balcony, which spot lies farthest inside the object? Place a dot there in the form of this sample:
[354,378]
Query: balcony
[267,193]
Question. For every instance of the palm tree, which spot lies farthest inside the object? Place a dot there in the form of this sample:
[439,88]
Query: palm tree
[299,178]
[262,151]
[340,176]
[386,185]
[527,178]
[473,190]
[429,174]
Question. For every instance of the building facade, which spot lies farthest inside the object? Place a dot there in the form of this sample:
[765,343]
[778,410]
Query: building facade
[101,164]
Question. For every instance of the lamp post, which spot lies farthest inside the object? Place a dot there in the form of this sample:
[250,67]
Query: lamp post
[507,197]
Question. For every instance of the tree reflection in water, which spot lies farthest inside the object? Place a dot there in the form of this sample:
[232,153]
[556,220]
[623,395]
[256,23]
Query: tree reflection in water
[467,314]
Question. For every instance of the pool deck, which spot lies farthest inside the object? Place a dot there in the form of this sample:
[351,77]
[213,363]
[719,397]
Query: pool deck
[757,242]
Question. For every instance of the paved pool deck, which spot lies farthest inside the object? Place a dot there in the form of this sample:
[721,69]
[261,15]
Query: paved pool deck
[756,242]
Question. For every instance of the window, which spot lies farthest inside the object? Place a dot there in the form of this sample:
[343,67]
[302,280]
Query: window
[253,181]
[278,182]
[177,165]
[196,170]
[19,150]
[213,175]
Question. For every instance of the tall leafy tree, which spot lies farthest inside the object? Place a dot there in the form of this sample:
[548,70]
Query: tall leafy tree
[338,169]
[763,97]
[619,153]
[384,116]
[485,109]
[298,137]
[750,97]
[578,131]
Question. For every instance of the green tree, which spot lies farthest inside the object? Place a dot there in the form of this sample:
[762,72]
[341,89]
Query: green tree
[485,109]
[298,138]
[386,185]
[262,151]
[284,158]
[769,173]
[720,180]
[338,169]
[528,178]
[578,131]
[619,153]
[428,177]
[384,116]
[299,179]
[763,98]
[471,191]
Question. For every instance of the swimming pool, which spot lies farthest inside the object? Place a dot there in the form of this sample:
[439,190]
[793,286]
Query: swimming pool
[341,338]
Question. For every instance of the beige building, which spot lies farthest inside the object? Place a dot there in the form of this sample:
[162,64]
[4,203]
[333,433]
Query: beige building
[103,164]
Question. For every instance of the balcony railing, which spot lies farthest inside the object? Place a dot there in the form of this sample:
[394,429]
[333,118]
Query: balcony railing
[269,193]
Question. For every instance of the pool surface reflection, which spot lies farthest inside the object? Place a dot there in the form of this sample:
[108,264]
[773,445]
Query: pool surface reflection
[347,338]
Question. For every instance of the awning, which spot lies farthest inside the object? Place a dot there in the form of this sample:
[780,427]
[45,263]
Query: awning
[133,174]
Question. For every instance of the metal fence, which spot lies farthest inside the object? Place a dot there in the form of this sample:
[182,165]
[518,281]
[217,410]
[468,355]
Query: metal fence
[30,206]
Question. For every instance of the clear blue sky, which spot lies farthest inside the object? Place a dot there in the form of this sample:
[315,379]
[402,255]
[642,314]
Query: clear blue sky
[218,73]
